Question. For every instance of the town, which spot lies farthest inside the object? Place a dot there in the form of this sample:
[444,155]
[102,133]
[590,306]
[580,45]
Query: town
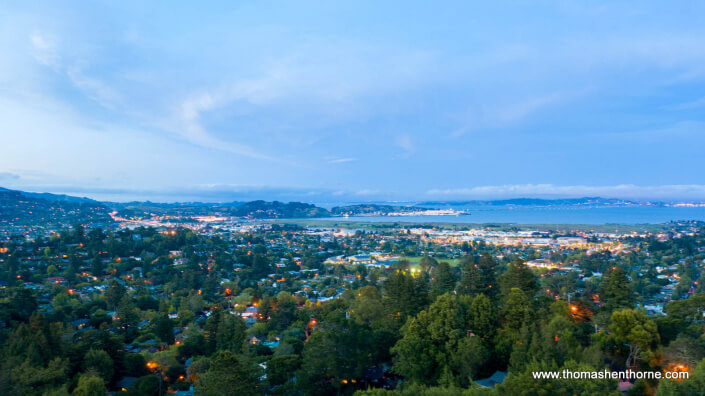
[156,307]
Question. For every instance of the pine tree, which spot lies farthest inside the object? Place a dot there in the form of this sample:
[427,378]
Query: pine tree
[479,277]
[518,275]
[114,294]
[97,266]
[517,312]
[443,280]
[482,319]
[615,290]
[127,318]
[227,375]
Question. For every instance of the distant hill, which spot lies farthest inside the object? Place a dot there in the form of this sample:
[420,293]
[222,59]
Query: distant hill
[19,208]
[252,210]
[371,209]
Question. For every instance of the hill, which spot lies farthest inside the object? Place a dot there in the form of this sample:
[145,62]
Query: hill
[251,210]
[18,208]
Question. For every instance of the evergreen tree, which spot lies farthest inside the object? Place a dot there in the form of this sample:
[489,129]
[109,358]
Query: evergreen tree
[426,263]
[97,266]
[99,362]
[479,277]
[127,318]
[429,341]
[443,281]
[517,311]
[164,328]
[231,333]
[615,290]
[90,385]
[114,294]
[228,375]
[482,319]
[520,276]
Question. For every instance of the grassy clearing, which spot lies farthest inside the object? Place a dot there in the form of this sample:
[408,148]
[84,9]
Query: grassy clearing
[334,223]
[415,260]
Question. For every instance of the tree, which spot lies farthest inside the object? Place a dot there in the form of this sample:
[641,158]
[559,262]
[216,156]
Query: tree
[687,311]
[430,342]
[367,307]
[100,362]
[230,333]
[90,385]
[71,269]
[282,317]
[443,281]
[227,376]
[148,385]
[164,328]
[479,277]
[469,356]
[127,318]
[634,329]
[336,350]
[281,368]
[516,311]
[97,266]
[694,385]
[615,291]
[482,319]
[114,294]
[426,263]
[404,295]
[520,276]
[686,349]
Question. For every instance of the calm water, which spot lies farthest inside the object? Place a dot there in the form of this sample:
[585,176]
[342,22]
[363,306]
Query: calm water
[552,215]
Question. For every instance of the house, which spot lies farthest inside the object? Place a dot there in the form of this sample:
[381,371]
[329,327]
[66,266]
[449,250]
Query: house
[188,392]
[272,344]
[59,280]
[79,323]
[125,382]
[497,378]
[360,259]
[541,263]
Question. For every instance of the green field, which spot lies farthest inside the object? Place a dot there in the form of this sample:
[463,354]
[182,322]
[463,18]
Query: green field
[415,260]
[334,223]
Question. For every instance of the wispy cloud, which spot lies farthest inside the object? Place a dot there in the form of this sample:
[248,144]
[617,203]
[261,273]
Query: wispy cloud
[366,192]
[46,50]
[9,176]
[626,191]
[405,143]
[192,129]
[498,115]
[340,160]
[693,104]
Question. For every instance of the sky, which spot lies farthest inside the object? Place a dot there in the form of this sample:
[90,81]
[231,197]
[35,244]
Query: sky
[353,100]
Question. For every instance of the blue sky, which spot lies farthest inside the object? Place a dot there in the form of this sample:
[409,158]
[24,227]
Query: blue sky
[353,100]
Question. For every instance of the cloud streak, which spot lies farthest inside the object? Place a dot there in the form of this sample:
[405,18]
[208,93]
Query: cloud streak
[340,160]
[625,191]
